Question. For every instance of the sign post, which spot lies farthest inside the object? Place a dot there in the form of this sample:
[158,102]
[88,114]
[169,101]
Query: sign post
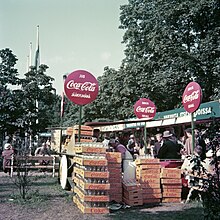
[81,87]
[191,100]
[145,108]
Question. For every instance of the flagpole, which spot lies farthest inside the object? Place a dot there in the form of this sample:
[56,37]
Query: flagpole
[37,63]
[30,56]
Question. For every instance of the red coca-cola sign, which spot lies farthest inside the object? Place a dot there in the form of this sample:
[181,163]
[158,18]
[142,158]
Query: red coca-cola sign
[145,108]
[192,96]
[81,87]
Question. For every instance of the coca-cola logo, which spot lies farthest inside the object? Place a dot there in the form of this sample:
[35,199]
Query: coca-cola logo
[191,98]
[86,86]
[145,108]
[81,87]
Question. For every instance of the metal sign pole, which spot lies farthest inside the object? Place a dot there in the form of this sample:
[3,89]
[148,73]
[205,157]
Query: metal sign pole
[145,138]
[80,121]
[193,133]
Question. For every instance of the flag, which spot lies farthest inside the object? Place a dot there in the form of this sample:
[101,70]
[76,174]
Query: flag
[37,54]
[62,105]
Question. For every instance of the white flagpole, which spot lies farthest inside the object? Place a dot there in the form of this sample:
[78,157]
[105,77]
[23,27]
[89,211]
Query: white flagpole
[30,56]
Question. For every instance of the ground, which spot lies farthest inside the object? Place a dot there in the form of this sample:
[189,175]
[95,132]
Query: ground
[49,201]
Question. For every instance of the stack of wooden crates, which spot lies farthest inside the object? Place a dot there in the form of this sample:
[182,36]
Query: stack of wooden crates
[171,184]
[148,175]
[115,176]
[132,193]
[91,178]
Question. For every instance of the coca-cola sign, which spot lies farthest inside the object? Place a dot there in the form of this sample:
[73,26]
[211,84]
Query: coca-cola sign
[145,108]
[81,87]
[191,98]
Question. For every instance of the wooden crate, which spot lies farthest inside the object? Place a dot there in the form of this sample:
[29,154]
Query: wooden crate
[141,161]
[133,202]
[133,194]
[171,181]
[171,200]
[171,173]
[151,201]
[152,195]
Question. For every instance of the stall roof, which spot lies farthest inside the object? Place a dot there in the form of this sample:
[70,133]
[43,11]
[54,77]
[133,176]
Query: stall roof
[205,112]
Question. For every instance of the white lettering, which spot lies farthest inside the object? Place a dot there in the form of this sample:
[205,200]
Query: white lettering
[145,110]
[86,96]
[86,86]
[193,96]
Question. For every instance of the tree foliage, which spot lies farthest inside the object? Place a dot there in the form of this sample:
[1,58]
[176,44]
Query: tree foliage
[168,44]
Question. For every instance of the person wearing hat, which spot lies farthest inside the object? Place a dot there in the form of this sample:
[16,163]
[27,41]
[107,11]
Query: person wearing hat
[7,155]
[170,148]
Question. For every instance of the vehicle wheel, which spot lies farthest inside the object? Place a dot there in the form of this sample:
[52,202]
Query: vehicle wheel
[63,173]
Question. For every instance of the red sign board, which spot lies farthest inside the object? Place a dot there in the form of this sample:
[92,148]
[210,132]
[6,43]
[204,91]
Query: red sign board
[145,108]
[192,96]
[81,87]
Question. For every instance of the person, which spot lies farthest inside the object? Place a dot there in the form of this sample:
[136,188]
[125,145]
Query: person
[105,142]
[132,146]
[158,144]
[7,156]
[188,144]
[170,148]
[42,151]
[200,143]
[127,158]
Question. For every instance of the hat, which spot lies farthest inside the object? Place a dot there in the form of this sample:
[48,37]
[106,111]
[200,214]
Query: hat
[131,136]
[7,146]
[189,130]
[167,134]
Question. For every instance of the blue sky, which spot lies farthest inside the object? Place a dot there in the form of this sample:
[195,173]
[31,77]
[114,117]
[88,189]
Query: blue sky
[74,34]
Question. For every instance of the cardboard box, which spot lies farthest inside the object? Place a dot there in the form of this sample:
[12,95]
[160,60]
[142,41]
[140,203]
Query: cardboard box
[115,175]
[113,157]
[115,185]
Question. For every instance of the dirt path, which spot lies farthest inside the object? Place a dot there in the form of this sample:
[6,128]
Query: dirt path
[49,201]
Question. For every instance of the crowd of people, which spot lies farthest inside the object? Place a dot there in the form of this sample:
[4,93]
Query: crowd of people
[164,145]
[9,148]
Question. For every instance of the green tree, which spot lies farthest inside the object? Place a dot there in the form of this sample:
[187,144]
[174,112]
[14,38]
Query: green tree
[40,99]
[8,78]
[168,44]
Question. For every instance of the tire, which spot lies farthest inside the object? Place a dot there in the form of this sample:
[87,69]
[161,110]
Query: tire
[63,172]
